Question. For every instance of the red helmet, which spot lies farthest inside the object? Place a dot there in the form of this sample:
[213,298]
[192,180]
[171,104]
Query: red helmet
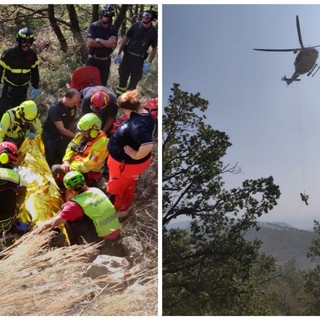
[99,101]
[10,149]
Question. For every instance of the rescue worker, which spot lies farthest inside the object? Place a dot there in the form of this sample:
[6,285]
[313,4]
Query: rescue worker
[19,66]
[305,198]
[88,215]
[59,127]
[138,39]
[86,152]
[129,150]
[103,102]
[9,185]
[20,122]
[101,41]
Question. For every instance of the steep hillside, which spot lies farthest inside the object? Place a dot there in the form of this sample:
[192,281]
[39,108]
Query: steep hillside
[285,243]
[280,240]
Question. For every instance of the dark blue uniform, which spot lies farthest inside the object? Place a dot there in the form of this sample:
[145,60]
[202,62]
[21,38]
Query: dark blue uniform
[110,111]
[55,143]
[134,132]
[135,52]
[100,57]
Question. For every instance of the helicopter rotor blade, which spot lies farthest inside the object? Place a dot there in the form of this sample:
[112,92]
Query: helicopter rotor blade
[279,50]
[299,31]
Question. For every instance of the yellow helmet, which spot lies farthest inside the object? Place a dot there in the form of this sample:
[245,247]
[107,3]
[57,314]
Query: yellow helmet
[28,110]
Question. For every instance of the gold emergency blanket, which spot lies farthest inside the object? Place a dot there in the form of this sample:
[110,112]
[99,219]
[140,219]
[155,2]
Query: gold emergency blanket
[43,199]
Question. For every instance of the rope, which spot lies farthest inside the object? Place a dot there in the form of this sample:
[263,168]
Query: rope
[301,139]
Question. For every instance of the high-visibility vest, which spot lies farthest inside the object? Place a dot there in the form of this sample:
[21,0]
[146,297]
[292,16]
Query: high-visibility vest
[99,209]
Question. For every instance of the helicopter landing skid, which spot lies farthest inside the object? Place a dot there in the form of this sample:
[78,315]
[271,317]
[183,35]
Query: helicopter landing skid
[311,71]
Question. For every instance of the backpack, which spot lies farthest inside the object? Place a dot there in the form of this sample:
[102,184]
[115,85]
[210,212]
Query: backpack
[85,77]
[152,106]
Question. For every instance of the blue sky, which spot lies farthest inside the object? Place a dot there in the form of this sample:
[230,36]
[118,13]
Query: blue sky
[274,128]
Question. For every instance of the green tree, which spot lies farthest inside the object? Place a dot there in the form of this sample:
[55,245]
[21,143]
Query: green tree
[285,291]
[312,287]
[210,269]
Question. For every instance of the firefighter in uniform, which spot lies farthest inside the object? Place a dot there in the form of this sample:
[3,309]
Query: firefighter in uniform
[88,215]
[101,41]
[19,66]
[138,39]
[20,122]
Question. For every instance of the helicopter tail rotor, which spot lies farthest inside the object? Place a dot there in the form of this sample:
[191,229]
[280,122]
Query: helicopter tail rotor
[290,80]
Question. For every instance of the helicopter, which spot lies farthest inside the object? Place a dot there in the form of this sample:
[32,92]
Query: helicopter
[305,61]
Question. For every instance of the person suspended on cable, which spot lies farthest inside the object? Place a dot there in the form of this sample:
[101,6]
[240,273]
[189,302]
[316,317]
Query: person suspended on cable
[304,197]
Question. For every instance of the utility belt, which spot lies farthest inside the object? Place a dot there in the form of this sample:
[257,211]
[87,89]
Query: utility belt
[142,55]
[94,56]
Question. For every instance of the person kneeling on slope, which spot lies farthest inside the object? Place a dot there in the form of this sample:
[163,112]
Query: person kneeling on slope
[88,216]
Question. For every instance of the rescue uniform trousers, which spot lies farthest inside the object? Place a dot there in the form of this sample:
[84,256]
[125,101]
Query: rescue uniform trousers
[131,66]
[103,66]
[12,96]
[82,231]
[122,181]
[8,200]
[55,148]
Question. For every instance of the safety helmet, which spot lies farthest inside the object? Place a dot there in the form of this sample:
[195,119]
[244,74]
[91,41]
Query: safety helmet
[25,35]
[153,10]
[108,10]
[99,101]
[28,110]
[90,122]
[8,152]
[73,179]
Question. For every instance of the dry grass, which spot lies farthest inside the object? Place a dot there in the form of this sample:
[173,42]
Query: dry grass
[39,280]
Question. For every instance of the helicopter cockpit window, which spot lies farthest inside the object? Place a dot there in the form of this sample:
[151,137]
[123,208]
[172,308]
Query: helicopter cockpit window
[298,59]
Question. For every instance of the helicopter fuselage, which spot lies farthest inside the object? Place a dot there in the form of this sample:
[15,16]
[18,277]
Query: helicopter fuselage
[305,60]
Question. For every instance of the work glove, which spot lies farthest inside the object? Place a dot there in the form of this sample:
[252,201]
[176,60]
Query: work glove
[117,58]
[146,67]
[34,93]
[21,226]
[31,135]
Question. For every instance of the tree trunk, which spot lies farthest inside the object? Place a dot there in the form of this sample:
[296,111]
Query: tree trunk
[76,31]
[95,13]
[121,16]
[56,29]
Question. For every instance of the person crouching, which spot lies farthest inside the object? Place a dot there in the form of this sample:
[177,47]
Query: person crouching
[88,216]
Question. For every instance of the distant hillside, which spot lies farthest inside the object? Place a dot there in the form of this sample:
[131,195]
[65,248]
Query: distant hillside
[280,240]
[284,243]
